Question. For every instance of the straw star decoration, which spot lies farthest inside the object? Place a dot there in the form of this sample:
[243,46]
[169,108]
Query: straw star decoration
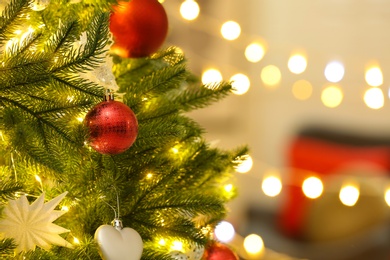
[31,225]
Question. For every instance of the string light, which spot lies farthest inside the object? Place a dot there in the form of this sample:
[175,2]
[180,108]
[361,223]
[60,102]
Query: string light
[349,194]
[189,10]
[387,196]
[312,187]
[177,246]
[162,242]
[334,71]
[374,77]
[230,30]
[253,244]
[240,84]
[228,188]
[224,231]
[302,89]
[271,75]
[211,76]
[271,186]
[297,64]
[374,98]
[332,96]
[254,52]
[245,164]
[76,240]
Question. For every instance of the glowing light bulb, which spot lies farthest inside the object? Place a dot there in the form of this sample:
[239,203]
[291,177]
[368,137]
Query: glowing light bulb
[253,244]
[302,89]
[349,195]
[162,242]
[189,10]
[334,71]
[297,64]
[240,84]
[76,240]
[230,30]
[332,96]
[224,231]
[271,186]
[38,179]
[228,187]
[271,75]
[177,246]
[374,98]
[374,77]
[149,176]
[312,187]
[254,52]
[64,208]
[211,76]
[245,164]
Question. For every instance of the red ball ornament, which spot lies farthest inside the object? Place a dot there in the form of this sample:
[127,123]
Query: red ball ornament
[112,126]
[218,251]
[139,28]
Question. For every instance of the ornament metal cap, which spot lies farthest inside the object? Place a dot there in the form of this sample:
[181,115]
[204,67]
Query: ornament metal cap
[117,224]
[108,95]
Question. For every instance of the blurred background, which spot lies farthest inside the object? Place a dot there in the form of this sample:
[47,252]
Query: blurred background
[312,102]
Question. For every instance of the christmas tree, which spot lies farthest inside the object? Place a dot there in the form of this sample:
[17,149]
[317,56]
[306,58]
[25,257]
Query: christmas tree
[73,160]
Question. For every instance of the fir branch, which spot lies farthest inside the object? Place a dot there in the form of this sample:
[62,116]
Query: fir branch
[11,17]
[92,53]
[8,189]
[7,247]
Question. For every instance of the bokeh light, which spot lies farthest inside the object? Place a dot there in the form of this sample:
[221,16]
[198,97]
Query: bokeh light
[189,10]
[245,164]
[271,75]
[349,195]
[240,84]
[332,96]
[230,30]
[211,76]
[254,52]
[271,186]
[253,244]
[374,77]
[312,187]
[374,98]
[334,71]
[302,89]
[387,196]
[297,64]
[224,231]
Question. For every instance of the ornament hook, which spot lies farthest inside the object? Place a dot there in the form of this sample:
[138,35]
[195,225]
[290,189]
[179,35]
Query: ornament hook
[108,95]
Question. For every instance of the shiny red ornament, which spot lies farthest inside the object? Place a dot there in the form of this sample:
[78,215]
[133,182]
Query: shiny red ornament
[112,126]
[139,28]
[218,251]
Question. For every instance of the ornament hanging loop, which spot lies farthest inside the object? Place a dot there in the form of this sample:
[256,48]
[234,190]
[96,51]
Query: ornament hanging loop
[108,95]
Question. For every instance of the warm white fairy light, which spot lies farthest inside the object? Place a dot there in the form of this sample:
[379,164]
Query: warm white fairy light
[177,246]
[76,240]
[374,98]
[189,10]
[149,176]
[230,30]
[162,242]
[271,75]
[228,188]
[312,187]
[332,96]
[254,52]
[253,244]
[65,208]
[245,164]
[38,179]
[224,231]
[271,185]
[374,76]
[387,196]
[240,84]
[302,89]
[334,71]
[297,64]
[349,194]
[175,150]
[211,76]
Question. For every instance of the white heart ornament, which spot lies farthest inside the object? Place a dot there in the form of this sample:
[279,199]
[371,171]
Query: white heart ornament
[119,244]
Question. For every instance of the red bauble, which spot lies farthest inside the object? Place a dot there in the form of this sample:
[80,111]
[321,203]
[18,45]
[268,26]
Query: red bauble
[139,28]
[112,126]
[218,251]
